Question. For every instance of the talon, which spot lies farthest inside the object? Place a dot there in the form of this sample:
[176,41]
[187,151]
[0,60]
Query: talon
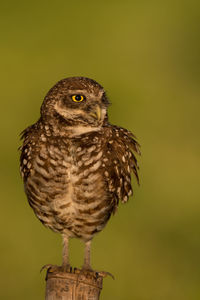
[104,274]
[77,271]
[47,267]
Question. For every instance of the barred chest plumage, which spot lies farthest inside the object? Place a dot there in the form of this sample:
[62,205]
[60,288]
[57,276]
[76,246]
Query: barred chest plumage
[66,186]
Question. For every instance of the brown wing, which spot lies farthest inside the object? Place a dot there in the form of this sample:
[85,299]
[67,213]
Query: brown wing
[119,162]
[29,142]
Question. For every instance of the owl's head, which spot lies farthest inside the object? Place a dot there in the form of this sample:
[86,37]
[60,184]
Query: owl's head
[76,101]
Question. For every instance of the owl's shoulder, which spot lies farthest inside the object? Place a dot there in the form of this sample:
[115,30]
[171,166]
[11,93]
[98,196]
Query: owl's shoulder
[32,132]
[31,138]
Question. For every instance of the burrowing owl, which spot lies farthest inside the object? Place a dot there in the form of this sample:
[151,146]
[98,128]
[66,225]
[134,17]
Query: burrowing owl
[76,166]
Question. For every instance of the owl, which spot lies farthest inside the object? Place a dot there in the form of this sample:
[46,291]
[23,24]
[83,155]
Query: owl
[75,165]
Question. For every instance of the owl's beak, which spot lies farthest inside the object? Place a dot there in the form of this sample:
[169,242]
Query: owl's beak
[96,113]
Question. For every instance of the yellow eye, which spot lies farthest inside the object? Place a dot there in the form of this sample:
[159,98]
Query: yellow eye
[77,98]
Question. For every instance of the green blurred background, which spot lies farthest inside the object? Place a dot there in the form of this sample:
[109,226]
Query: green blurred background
[147,56]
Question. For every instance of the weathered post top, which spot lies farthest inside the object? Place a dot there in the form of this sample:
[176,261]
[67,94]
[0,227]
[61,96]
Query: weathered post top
[72,286]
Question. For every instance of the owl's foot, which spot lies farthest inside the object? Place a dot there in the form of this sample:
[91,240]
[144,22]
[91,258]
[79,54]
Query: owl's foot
[54,268]
[89,272]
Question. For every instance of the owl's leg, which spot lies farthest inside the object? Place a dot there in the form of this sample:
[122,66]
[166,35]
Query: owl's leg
[86,265]
[86,268]
[65,263]
[65,267]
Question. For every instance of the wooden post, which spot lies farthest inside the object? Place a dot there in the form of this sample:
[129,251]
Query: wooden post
[72,286]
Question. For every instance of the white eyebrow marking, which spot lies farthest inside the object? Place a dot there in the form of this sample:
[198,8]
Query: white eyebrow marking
[77,91]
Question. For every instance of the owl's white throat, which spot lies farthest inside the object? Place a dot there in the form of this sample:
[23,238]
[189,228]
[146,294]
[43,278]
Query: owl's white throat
[79,130]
